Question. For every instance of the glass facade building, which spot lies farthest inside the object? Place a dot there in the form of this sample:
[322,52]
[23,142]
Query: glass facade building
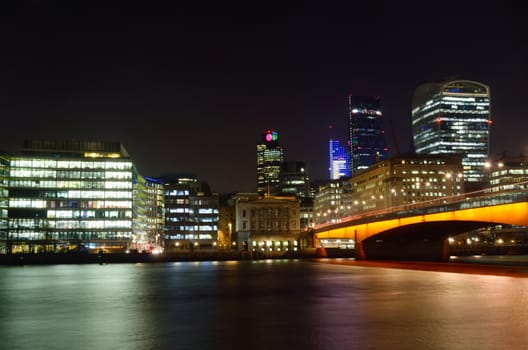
[66,195]
[454,118]
[191,215]
[149,214]
[508,173]
[4,200]
[294,180]
[339,160]
[367,137]
[269,160]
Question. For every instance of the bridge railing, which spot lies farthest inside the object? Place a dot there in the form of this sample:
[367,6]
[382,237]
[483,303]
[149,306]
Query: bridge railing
[488,197]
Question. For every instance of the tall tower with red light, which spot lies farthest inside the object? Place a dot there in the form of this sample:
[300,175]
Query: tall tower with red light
[269,159]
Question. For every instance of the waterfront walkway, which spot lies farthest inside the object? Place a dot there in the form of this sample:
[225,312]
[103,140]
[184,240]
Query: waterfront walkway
[498,265]
[76,258]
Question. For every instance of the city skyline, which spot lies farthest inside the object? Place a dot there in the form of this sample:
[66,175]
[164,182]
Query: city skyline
[191,91]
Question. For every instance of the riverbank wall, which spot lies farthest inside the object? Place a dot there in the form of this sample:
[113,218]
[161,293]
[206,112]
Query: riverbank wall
[76,258]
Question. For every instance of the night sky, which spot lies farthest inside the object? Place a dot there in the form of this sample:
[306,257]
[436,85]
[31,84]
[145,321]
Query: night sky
[191,88]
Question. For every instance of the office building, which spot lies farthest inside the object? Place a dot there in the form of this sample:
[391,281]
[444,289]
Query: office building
[294,180]
[4,201]
[333,201]
[269,159]
[508,173]
[406,179]
[70,195]
[453,117]
[307,213]
[191,214]
[367,137]
[339,160]
[155,214]
[400,180]
[148,215]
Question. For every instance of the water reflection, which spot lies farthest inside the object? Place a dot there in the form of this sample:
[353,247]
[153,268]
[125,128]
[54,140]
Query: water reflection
[258,305]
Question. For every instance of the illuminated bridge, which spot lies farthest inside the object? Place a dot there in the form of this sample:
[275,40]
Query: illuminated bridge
[420,230]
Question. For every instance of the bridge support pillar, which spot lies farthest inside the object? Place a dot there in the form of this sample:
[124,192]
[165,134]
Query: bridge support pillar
[445,252]
[359,251]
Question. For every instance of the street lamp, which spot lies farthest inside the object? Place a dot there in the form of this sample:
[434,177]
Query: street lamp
[230,233]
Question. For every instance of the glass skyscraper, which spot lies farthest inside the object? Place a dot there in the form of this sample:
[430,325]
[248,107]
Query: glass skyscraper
[339,164]
[367,139]
[453,117]
[269,161]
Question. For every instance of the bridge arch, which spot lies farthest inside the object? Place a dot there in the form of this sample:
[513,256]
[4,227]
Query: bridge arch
[422,236]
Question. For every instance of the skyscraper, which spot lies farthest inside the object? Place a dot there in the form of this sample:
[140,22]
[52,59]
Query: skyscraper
[269,160]
[339,160]
[367,139]
[453,117]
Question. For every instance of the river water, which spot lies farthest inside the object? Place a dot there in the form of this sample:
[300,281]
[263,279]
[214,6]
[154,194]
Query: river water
[274,304]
